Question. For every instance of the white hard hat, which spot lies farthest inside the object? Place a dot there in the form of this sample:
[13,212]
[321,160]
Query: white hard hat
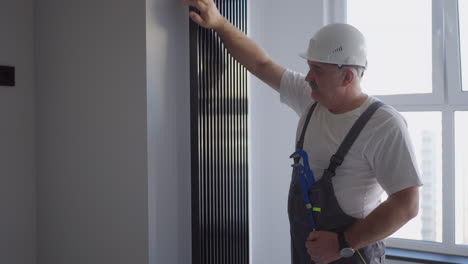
[340,44]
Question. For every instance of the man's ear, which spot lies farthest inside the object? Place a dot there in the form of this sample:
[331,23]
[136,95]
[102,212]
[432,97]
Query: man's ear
[349,76]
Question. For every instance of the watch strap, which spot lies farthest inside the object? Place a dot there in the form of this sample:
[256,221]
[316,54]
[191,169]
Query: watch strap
[342,241]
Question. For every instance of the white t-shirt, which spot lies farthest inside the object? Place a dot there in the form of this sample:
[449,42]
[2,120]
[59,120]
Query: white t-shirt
[381,158]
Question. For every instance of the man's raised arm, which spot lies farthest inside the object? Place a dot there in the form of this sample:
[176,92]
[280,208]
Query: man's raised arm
[241,47]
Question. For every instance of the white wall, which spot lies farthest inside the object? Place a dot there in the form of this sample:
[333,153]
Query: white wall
[92,162]
[283,30]
[17,176]
[169,131]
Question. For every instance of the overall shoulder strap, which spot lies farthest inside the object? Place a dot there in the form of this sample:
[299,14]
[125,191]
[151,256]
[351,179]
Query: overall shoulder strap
[300,142]
[337,159]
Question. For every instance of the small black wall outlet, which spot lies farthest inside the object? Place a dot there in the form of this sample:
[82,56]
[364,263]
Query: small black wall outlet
[7,76]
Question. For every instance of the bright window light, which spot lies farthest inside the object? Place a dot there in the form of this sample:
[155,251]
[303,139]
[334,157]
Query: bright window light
[399,40]
[427,141]
[461,177]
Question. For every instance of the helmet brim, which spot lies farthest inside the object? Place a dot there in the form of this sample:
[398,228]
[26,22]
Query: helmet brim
[304,55]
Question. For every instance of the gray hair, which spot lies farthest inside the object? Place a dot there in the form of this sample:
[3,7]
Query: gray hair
[359,70]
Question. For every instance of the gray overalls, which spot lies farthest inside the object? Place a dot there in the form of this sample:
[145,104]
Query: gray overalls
[331,217]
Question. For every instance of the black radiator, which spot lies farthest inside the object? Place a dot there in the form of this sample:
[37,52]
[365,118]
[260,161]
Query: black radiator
[218,92]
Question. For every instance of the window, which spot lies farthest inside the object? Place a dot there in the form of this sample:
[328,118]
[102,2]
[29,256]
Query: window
[418,63]
[391,57]
[461,177]
[427,142]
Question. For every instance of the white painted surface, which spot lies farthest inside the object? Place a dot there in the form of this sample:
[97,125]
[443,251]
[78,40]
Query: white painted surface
[283,30]
[17,173]
[168,132]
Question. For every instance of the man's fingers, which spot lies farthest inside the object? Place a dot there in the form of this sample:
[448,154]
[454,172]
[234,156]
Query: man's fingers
[313,236]
[197,18]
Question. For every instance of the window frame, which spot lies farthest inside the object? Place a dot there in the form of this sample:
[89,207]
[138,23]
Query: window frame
[453,56]
[447,97]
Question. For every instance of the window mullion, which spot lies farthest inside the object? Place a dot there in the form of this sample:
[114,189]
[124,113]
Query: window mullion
[438,51]
[452,54]
[410,99]
[334,11]
[448,178]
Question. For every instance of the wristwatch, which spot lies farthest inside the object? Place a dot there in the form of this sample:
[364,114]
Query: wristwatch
[345,250]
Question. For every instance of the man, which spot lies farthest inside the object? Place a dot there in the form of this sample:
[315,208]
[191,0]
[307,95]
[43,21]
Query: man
[352,223]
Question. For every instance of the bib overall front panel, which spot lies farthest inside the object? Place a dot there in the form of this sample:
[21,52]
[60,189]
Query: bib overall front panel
[327,213]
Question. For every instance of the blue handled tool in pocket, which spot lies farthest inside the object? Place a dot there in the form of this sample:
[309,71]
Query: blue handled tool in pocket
[306,180]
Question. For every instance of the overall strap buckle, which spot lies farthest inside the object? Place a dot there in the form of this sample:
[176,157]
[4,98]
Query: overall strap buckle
[348,141]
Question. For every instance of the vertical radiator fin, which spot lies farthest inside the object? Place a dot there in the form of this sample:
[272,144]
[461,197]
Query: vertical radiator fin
[220,212]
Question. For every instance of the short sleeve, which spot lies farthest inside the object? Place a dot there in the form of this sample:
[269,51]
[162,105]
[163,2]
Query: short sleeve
[295,91]
[392,155]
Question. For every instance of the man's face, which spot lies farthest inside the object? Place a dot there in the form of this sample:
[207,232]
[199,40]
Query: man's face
[325,81]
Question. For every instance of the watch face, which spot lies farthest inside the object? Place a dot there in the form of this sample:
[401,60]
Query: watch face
[346,252]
